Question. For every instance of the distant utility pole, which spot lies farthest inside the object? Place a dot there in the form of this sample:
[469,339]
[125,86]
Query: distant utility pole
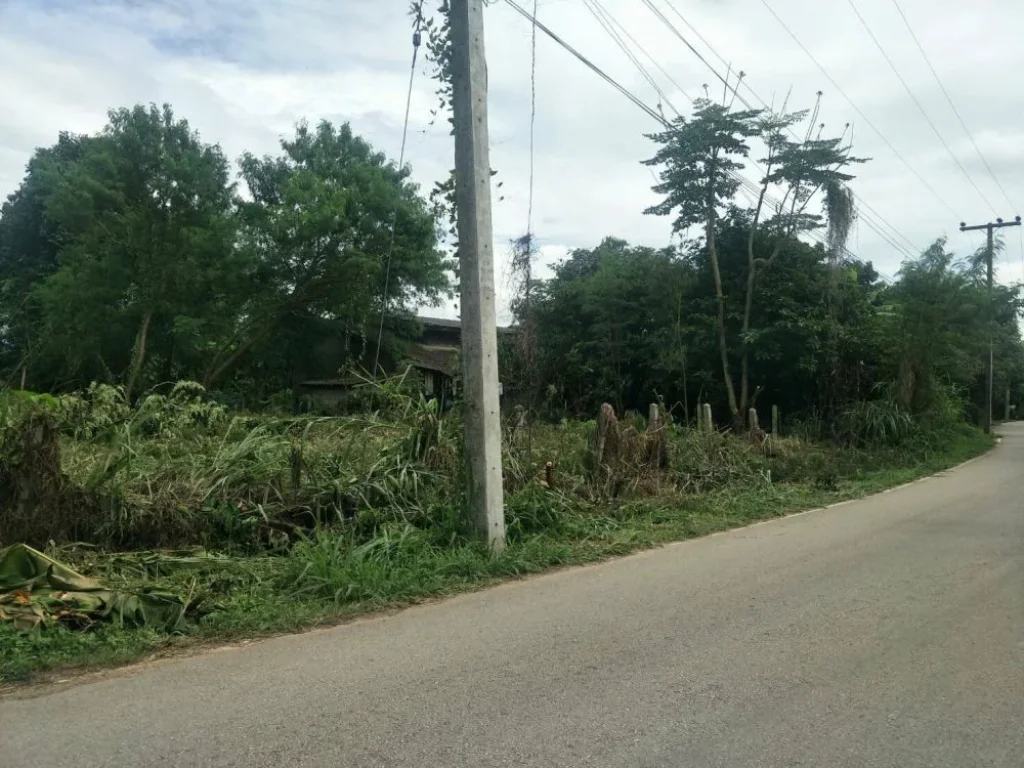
[990,228]
[476,271]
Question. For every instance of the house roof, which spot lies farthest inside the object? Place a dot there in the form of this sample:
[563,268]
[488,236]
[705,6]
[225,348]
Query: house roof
[444,322]
[439,322]
[433,358]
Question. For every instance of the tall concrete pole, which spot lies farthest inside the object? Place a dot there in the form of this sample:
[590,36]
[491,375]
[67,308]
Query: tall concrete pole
[989,257]
[476,271]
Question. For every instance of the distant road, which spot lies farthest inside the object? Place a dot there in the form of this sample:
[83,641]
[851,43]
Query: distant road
[885,632]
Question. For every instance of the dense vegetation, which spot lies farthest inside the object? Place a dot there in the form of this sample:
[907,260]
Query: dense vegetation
[131,257]
[272,523]
[154,317]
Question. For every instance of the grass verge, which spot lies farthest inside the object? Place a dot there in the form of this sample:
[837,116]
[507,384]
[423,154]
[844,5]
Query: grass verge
[331,575]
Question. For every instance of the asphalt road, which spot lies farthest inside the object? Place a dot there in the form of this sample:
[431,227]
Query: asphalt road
[884,632]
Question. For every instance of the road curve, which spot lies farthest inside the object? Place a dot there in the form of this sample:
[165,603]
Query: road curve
[883,632]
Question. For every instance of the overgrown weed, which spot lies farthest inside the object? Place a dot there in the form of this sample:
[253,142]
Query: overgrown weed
[321,517]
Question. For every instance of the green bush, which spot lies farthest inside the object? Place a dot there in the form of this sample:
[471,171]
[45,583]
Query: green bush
[874,423]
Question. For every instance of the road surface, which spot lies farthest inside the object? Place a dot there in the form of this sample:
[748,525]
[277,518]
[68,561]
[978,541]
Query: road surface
[884,632]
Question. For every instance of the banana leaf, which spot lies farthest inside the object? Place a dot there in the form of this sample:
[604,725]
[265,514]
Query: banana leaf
[36,590]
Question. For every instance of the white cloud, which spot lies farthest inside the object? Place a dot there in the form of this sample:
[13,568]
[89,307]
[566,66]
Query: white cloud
[243,73]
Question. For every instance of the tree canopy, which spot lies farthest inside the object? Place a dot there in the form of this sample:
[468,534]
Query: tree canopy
[141,255]
[131,257]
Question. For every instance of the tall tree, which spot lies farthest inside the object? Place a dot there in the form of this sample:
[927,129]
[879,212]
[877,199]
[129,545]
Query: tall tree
[701,158]
[144,236]
[317,231]
[29,250]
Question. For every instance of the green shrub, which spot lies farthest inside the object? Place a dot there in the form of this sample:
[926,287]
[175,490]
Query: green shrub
[874,423]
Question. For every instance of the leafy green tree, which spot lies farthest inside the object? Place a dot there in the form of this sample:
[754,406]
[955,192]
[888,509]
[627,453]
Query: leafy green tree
[632,325]
[29,250]
[701,158]
[316,231]
[938,315]
[142,224]
[605,325]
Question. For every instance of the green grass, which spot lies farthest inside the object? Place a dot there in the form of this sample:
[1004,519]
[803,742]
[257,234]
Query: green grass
[385,558]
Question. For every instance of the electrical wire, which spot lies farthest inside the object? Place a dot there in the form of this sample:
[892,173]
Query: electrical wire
[642,50]
[416,39]
[711,48]
[531,370]
[952,105]
[863,204]
[585,61]
[917,103]
[664,122]
[533,116]
[605,19]
[857,109]
[959,117]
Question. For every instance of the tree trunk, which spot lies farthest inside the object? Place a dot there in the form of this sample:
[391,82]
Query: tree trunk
[218,372]
[686,396]
[748,302]
[138,354]
[748,305]
[723,346]
[682,355]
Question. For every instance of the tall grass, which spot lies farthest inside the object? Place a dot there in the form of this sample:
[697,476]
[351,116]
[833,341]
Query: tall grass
[178,470]
[319,517]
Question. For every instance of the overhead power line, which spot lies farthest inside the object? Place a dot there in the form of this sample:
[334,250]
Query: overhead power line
[416,39]
[727,64]
[585,61]
[857,109]
[622,31]
[863,204]
[952,105]
[749,185]
[607,23]
[533,121]
[917,103]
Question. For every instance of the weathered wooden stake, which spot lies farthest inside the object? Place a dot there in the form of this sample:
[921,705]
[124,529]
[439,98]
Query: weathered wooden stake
[775,421]
[656,449]
[709,424]
[752,420]
[607,434]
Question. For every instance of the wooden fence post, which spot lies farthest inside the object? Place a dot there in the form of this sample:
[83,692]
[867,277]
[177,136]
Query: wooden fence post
[775,421]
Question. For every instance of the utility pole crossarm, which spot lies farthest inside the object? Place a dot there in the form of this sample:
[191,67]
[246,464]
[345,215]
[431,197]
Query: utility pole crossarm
[991,225]
[990,229]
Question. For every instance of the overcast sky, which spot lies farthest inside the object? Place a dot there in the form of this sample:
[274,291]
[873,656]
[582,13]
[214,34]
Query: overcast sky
[244,72]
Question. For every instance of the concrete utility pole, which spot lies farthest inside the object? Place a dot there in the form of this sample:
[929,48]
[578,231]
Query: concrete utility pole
[476,271]
[990,228]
